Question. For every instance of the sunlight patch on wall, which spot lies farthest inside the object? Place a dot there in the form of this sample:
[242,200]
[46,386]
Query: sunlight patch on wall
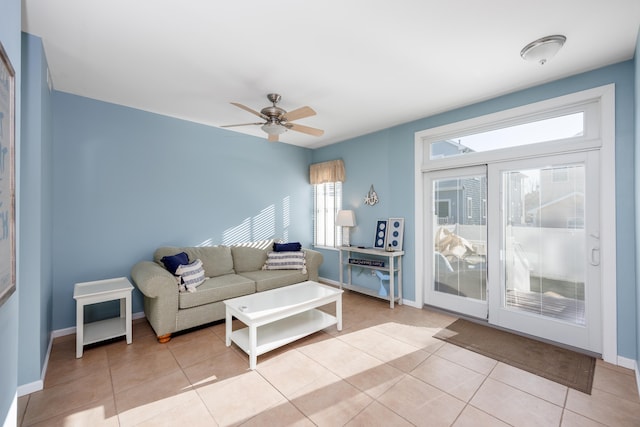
[261,227]
[264,224]
[286,217]
[239,233]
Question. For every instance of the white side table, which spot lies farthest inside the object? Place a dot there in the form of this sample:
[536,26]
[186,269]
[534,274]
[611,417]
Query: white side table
[100,291]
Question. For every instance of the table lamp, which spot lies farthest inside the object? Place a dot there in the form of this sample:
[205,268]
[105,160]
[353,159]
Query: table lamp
[345,219]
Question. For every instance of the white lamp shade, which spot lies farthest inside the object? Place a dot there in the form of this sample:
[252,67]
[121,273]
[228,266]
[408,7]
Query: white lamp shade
[346,218]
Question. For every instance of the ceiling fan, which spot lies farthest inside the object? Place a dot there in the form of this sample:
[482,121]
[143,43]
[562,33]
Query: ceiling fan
[278,121]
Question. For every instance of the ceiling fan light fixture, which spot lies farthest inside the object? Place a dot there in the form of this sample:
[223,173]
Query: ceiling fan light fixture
[273,128]
[543,49]
[277,121]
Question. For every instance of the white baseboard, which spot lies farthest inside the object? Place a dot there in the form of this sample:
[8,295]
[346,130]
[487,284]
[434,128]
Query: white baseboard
[410,303]
[638,378]
[34,386]
[626,363]
[25,389]
[631,364]
[63,332]
[12,414]
[329,281]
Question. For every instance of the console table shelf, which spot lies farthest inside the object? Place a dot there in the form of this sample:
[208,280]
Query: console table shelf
[393,265]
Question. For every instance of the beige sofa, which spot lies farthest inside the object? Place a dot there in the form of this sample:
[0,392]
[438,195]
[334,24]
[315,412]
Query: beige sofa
[231,271]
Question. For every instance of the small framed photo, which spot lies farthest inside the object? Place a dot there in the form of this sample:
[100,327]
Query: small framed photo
[381,233]
[395,234]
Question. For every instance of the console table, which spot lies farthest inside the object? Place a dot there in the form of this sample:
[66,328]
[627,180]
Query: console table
[394,264]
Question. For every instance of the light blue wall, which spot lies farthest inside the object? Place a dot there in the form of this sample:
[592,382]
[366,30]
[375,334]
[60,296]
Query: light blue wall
[382,160]
[386,159]
[36,213]
[10,18]
[128,181]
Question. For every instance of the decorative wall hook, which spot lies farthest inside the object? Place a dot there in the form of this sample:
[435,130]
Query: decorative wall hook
[372,197]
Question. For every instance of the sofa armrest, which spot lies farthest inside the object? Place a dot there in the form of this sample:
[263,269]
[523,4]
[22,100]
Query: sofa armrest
[314,260]
[154,281]
[161,294]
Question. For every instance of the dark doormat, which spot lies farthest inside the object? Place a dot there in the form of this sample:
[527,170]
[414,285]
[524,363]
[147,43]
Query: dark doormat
[554,363]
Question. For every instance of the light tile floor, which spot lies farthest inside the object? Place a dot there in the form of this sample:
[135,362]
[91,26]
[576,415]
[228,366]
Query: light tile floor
[384,369]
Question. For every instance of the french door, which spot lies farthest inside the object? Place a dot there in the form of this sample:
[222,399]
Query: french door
[517,243]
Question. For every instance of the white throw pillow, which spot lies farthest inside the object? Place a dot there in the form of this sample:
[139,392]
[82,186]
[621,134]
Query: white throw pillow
[192,275]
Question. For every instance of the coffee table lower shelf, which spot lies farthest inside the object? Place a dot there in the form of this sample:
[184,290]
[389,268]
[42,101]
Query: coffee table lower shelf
[284,331]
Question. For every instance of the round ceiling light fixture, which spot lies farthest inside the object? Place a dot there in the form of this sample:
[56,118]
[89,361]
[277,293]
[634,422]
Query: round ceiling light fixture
[543,49]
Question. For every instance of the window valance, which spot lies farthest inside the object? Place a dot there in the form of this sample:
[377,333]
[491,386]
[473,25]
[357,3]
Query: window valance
[331,171]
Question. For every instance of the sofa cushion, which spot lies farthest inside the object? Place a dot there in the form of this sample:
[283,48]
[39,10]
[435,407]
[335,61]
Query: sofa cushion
[192,275]
[216,289]
[216,260]
[271,279]
[172,262]
[248,259]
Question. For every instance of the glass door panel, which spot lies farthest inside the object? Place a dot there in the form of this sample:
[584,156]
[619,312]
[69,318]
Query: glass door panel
[544,241]
[547,275]
[458,230]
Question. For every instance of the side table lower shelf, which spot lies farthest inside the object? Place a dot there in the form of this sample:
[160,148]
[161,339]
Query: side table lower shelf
[104,330]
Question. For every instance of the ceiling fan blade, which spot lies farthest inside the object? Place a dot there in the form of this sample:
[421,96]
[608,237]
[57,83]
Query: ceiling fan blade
[245,108]
[299,113]
[273,138]
[242,124]
[305,129]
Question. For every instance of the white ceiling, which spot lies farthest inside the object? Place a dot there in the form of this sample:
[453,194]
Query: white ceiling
[363,65]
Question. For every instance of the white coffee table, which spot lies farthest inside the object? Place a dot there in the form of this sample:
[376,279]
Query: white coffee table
[277,317]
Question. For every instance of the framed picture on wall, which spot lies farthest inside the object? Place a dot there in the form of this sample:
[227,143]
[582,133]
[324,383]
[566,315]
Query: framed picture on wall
[381,233]
[395,234]
[7,178]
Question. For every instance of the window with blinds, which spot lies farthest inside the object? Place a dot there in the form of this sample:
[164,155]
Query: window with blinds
[327,202]
[327,178]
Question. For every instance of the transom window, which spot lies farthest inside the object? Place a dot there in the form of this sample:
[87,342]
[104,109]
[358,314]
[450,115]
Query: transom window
[549,129]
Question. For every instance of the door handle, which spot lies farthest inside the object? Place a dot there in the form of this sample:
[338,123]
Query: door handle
[595,251]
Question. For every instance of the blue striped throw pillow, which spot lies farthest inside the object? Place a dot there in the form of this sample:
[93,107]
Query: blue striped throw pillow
[192,275]
[286,261]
